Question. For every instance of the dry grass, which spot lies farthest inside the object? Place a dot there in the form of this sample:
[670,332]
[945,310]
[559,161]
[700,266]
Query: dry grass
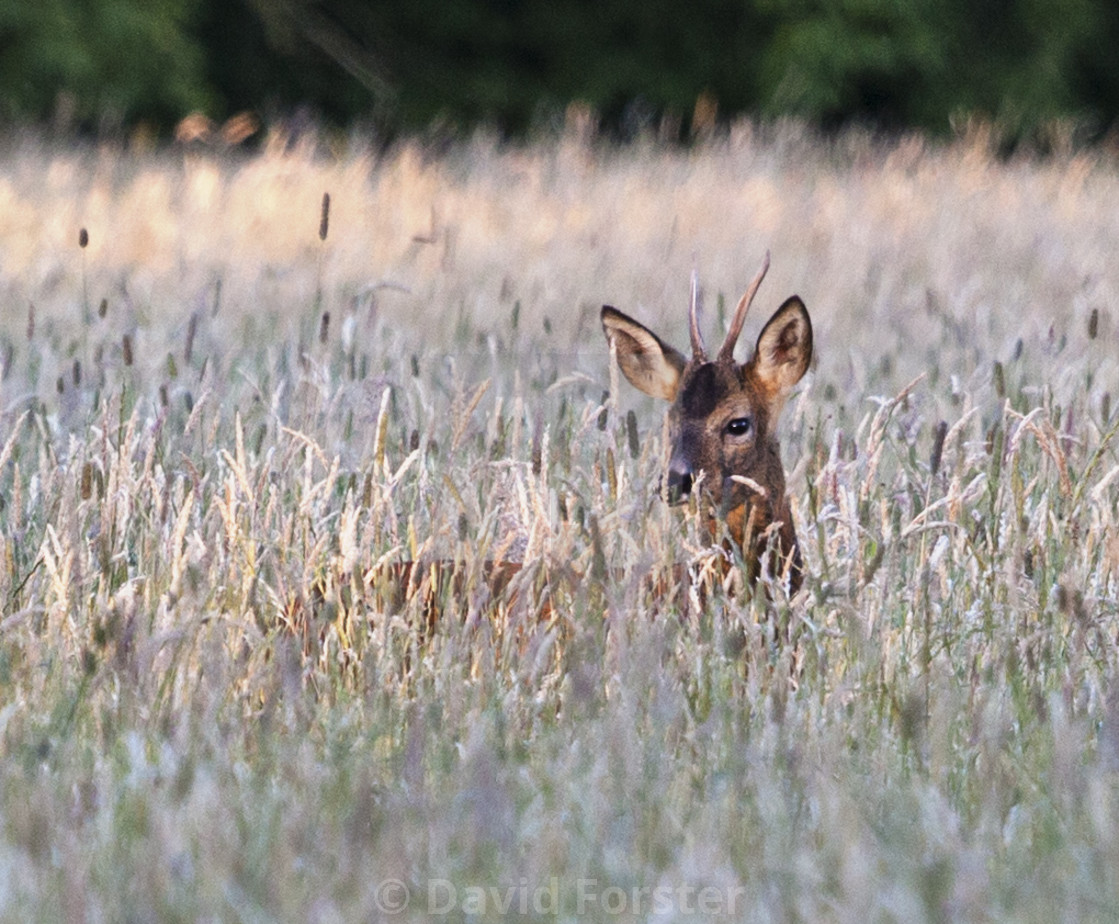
[207,714]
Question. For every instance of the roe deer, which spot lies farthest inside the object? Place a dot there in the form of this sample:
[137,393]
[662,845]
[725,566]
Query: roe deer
[723,420]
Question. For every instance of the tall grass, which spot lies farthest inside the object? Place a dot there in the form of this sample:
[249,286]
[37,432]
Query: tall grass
[211,707]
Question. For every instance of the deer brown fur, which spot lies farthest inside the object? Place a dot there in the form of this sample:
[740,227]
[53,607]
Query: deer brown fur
[723,421]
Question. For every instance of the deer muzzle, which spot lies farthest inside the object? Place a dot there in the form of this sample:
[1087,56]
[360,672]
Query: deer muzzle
[679,480]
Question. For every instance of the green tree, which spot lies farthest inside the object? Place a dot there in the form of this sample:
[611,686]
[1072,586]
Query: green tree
[508,61]
[892,63]
[920,62]
[127,59]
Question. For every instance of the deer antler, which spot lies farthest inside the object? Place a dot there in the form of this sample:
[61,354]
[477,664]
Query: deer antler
[699,355]
[726,352]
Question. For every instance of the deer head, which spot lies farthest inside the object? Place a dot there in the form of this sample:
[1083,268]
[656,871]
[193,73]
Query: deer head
[723,418]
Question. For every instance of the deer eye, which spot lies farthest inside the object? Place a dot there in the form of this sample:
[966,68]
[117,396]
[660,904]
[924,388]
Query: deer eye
[740,426]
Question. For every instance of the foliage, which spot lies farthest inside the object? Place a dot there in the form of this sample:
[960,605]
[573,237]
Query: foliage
[1023,65]
[100,59]
[921,63]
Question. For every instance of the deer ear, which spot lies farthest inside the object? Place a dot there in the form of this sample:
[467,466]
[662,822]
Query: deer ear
[650,364]
[783,353]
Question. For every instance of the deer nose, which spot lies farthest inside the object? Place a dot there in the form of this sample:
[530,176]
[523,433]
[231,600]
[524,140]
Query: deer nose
[679,483]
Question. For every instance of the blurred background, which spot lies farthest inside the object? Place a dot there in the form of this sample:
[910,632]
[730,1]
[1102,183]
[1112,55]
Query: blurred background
[1037,71]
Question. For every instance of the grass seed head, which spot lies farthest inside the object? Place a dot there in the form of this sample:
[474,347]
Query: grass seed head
[938,446]
[192,329]
[324,217]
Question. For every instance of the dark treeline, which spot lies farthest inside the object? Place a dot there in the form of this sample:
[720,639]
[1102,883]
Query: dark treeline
[1023,65]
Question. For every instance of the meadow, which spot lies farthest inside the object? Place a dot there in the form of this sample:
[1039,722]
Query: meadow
[220,416]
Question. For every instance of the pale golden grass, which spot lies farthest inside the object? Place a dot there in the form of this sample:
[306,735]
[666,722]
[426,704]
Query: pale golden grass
[210,708]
